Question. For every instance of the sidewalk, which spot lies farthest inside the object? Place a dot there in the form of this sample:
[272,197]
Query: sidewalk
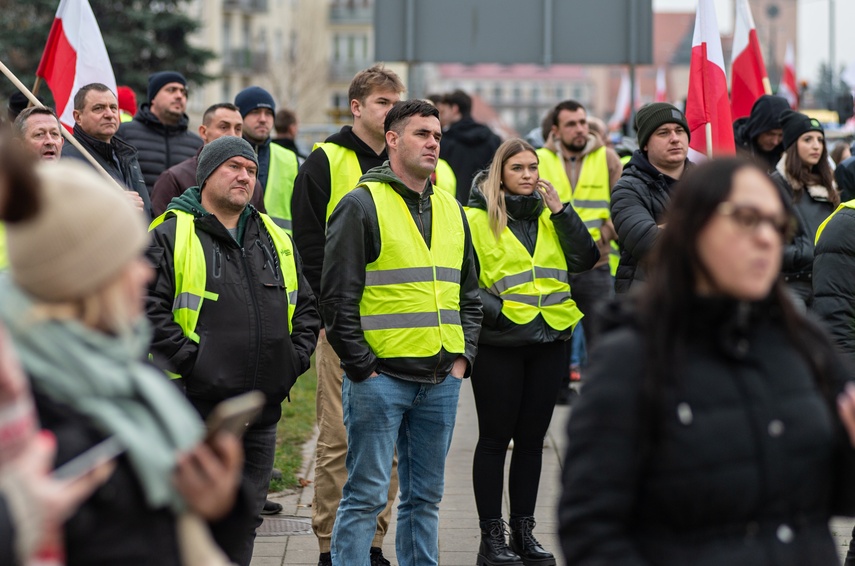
[458,530]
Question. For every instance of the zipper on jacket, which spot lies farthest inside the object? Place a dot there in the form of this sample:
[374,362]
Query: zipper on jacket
[421,222]
[268,262]
[218,261]
[257,316]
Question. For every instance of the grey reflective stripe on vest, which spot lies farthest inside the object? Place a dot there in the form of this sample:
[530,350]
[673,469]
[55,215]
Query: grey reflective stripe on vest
[411,275]
[509,281]
[554,298]
[186,301]
[552,273]
[399,320]
[590,204]
[282,223]
[292,297]
[595,223]
[448,316]
[531,300]
[538,301]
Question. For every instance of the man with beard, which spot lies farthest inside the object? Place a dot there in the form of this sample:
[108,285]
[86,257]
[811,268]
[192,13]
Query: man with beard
[759,136]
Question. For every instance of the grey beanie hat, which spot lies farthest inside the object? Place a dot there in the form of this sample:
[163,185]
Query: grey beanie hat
[218,152]
[651,116]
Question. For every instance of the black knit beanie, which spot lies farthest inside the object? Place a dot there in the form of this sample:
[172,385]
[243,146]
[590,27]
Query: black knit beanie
[254,97]
[651,116]
[795,124]
[218,152]
[157,81]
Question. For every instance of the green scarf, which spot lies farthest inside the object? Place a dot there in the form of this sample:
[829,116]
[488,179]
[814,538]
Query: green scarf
[102,377]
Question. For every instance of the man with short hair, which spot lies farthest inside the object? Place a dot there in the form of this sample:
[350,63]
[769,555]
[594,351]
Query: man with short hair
[641,196]
[400,302]
[159,129]
[230,308]
[759,135]
[39,131]
[222,119]
[277,166]
[466,145]
[286,125]
[330,172]
[96,117]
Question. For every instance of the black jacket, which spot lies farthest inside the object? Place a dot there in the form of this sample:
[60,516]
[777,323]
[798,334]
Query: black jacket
[809,212]
[834,280]
[160,146]
[765,116]
[353,241]
[116,525]
[844,175]
[468,147]
[746,464]
[580,252]
[312,190]
[244,340]
[118,158]
[639,200]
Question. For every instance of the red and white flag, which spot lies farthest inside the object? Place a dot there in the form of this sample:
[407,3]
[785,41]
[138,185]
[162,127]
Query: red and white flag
[748,80]
[707,104]
[661,87]
[788,87]
[622,112]
[74,56]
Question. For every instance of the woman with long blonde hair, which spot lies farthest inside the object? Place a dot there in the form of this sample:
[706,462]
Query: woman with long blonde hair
[527,243]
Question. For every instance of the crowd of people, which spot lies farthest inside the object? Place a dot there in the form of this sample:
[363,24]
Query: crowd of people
[407,252]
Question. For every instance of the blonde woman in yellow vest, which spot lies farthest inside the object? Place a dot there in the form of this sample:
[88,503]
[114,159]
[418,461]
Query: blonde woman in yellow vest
[527,243]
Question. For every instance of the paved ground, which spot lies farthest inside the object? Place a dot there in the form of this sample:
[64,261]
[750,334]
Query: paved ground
[459,535]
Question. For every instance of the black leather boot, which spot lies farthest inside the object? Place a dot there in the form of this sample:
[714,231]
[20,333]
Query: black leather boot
[523,543]
[494,548]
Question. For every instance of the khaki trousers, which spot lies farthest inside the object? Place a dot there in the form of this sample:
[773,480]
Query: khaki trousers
[330,471]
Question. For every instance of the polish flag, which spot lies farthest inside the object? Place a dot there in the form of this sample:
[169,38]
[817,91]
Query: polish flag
[749,80]
[74,56]
[707,104]
[788,88]
[661,87]
[622,114]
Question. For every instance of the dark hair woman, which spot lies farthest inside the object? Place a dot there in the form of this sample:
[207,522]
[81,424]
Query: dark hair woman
[707,432]
[804,175]
[526,244]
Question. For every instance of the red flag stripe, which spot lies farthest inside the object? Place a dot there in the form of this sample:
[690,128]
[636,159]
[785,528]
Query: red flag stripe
[58,63]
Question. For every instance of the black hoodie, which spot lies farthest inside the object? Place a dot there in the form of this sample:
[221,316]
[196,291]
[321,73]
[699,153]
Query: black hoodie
[765,116]
[468,147]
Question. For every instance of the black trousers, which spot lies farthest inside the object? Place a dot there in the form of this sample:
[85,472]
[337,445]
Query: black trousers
[515,391]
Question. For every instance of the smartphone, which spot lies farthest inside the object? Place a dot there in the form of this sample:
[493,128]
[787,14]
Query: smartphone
[90,459]
[235,415]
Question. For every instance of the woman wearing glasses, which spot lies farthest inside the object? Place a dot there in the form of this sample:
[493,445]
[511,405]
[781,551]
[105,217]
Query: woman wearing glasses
[708,431]
[806,178]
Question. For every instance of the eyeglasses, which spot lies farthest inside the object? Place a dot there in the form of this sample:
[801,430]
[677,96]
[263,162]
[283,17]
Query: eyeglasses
[749,219]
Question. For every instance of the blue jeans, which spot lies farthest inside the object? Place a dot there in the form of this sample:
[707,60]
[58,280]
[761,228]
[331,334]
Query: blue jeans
[381,413]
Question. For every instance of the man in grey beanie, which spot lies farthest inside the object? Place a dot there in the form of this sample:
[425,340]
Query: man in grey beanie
[641,196]
[230,308]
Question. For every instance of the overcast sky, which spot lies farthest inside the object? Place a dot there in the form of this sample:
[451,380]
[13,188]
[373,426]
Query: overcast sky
[813,30]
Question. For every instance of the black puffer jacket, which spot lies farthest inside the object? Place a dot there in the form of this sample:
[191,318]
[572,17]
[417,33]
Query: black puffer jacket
[579,249]
[833,276]
[353,241]
[639,200]
[126,172]
[244,340]
[748,463]
[468,147]
[160,146]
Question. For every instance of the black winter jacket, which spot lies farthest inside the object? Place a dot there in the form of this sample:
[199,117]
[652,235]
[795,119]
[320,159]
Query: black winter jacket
[126,172]
[639,200]
[160,146]
[353,241]
[833,277]
[468,147]
[244,340]
[765,116]
[580,252]
[748,460]
[844,176]
[312,190]
[809,212]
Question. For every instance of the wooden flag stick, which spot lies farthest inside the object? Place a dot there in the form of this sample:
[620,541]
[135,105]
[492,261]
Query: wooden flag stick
[36,85]
[708,132]
[65,133]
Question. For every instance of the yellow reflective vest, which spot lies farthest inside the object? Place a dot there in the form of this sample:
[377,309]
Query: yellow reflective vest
[280,184]
[190,271]
[410,305]
[345,172]
[528,285]
[446,180]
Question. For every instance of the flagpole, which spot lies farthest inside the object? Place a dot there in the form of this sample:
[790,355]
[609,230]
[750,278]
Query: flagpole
[36,84]
[65,133]
[708,132]
[767,85]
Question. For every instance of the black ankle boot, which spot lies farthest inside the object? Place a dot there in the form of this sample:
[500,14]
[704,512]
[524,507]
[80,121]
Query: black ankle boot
[494,548]
[523,543]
